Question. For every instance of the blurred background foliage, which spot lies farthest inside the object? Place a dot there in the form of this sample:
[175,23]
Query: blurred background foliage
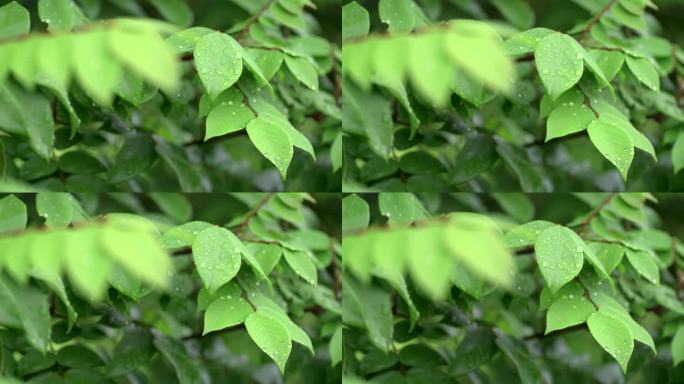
[103,347]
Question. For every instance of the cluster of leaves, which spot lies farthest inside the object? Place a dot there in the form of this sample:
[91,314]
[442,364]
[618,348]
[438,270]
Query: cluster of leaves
[435,106]
[139,104]
[87,295]
[512,288]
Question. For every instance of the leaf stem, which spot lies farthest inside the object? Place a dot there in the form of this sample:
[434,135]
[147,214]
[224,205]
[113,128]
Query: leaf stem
[253,19]
[594,20]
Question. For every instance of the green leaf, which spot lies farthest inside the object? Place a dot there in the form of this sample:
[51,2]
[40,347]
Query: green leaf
[86,262]
[218,61]
[335,348]
[613,336]
[135,156]
[614,309]
[78,356]
[14,20]
[217,257]
[134,243]
[176,354]
[268,61]
[559,256]
[526,41]
[175,11]
[399,208]
[271,336]
[476,242]
[273,142]
[301,263]
[418,355]
[335,153]
[476,349]
[610,62]
[355,213]
[58,14]
[610,255]
[303,71]
[677,346]
[185,41]
[267,255]
[397,281]
[518,205]
[526,234]
[477,156]
[433,271]
[123,282]
[373,305]
[148,55]
[135,349]
[78,162]
[518,12]
[355,21]
[33,362]
[516,351]
[30,114]
[559,64]
[97,70]
[29,307]
[567,119]
[225,119]
[268,112]
[174,205]
[13,215]
[56,208]
[399,15]
[491,64]
[566,311]
[188,177]
[639,139]
[613,142]
[644,71]
[530,177]
[369,114]
[678,154]
[645,264]
[183,235]
[226,310]
[270,309]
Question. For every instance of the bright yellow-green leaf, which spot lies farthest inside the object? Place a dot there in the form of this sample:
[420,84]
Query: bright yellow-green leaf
[273,142]
[218,61]
[216,252]
[559,64]
[613,336]
[271,336]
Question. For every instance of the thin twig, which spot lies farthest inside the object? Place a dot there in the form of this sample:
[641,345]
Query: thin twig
[250,215]
[594,20]
[253,19]
[592,215]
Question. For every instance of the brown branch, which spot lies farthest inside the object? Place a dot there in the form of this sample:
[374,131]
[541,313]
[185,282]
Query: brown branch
[522,59]
[592,215]
[594,20]
[253,212]
[253,19]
